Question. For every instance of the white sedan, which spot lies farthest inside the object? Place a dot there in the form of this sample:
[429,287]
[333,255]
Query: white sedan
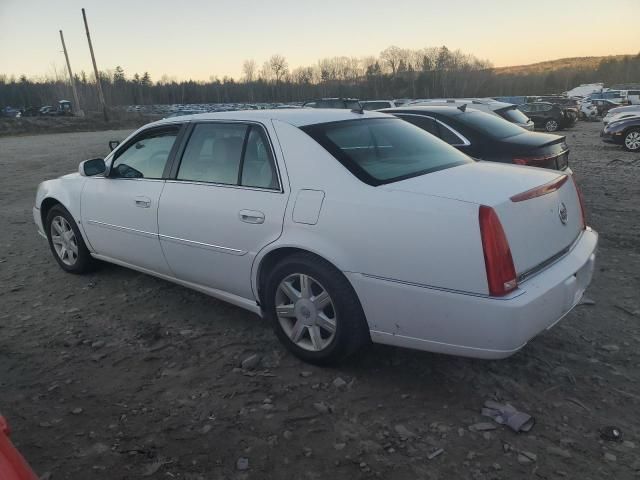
[340,227]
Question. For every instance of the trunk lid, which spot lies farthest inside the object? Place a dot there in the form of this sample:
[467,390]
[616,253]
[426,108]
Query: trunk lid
[534,228]
[540,150]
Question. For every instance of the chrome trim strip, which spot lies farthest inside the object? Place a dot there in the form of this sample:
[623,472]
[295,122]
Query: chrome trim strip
[207,246]
[122,229]
[514,294]
[225,185]
[524,276]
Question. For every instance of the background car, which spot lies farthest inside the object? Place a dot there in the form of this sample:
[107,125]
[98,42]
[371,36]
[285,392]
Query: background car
[377,104]
[346,103]
[625,132]
[588,110]
[508,111]
[547,116]
[621,112]
[487,137]
[447,254]
[603,105]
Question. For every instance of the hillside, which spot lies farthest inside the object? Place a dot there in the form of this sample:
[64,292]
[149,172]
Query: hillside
[577,63]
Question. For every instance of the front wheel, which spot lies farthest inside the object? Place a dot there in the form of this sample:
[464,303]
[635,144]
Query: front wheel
[632,140]
[314,310]
[66,242]
[551,125]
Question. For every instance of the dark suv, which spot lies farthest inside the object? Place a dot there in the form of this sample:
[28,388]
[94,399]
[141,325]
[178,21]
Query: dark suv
[347,103]
[548,116]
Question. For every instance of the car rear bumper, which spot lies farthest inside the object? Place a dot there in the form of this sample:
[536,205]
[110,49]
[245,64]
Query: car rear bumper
[444,321]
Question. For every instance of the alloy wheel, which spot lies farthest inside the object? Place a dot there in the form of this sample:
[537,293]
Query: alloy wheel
[552,126]
[306,312]
[632,141]
[64,241]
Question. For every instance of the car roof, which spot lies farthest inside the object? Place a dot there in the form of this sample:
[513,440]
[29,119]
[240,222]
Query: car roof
[298,117]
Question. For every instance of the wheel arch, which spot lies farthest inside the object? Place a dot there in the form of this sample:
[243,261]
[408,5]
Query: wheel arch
[266,260]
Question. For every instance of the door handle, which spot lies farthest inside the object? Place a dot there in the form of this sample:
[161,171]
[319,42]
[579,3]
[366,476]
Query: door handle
[251,216]
[142,202]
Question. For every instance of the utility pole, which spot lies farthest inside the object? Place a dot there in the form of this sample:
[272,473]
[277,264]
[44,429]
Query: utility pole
[77,108]
[95,69]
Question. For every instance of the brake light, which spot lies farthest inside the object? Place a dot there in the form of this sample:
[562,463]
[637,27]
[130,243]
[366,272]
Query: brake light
[583,217]
[501,272]
[532,160]
[549,187]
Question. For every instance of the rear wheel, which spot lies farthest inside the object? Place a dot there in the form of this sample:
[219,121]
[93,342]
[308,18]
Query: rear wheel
[314,310]
[632,140]
[551,125]
[66,242]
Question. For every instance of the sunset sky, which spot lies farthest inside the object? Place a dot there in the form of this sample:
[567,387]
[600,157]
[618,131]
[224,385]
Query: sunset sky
[199,39]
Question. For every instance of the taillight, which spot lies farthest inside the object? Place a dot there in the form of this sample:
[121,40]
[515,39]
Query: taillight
[545,189]
[583,217]
[501,272]
[532,161]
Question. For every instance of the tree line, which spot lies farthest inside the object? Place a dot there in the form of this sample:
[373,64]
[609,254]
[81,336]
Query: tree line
[395,73]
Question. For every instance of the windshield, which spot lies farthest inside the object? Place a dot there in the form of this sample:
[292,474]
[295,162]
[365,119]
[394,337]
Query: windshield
[385,150]
[491,125]
[514,115]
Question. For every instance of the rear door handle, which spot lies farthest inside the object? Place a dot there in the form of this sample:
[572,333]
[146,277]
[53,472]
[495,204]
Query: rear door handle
[251,216]
[142,202]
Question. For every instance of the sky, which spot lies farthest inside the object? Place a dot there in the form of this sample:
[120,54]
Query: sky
[199,39]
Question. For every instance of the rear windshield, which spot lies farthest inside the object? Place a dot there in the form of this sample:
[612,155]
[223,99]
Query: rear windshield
[385,150]
[491,125]
[514,115]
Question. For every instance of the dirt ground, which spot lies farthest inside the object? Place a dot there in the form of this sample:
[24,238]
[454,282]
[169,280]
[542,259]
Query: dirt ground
[117,375]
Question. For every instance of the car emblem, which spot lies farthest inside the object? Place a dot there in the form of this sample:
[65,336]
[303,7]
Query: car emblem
[562,213]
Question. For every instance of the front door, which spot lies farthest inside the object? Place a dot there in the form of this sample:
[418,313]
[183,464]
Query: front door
[120,211]
[224,205]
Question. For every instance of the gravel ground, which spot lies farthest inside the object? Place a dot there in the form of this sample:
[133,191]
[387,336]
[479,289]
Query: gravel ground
[118,375]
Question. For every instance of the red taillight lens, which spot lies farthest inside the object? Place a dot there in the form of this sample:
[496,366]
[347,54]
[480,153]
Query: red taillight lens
[501,273]
[581,200]
[532,161]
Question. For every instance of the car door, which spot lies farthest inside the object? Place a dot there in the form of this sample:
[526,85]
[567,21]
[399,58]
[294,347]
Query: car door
[224,203]
[120,210]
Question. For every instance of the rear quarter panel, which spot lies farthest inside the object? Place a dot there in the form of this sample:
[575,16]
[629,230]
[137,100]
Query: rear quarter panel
[409,237]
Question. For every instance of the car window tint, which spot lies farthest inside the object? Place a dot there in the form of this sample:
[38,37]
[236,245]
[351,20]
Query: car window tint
[258,165]
[384,150]
[213,153]
[425,123]
[147,156]
[448,136]
[491,125]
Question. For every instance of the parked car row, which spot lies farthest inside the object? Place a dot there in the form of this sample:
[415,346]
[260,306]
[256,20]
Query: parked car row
[64,107]
[341,226]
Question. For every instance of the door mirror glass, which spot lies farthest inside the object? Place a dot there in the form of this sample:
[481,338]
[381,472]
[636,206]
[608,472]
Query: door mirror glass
[113,144]
[89,168]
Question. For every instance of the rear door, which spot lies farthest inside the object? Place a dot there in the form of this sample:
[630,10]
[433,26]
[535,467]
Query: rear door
[223,203]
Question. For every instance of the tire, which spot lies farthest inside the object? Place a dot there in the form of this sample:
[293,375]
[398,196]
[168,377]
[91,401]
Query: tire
[63,235]
[302,322]
[551,125]
[631,140]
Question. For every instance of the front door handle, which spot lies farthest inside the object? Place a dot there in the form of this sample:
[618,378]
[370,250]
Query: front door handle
[142,202]
[251,216]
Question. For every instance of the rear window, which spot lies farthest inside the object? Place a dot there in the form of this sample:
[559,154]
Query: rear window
[493,126]
[385,150]
[513,115]
[375,105]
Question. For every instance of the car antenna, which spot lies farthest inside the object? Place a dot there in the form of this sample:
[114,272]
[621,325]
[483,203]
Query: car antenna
[463,107]
[358,110]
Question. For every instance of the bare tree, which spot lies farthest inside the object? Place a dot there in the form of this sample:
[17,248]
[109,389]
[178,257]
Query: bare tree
[279,66]
[249,70]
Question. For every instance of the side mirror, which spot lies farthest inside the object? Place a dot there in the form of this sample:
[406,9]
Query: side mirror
[94,166]
[113,144]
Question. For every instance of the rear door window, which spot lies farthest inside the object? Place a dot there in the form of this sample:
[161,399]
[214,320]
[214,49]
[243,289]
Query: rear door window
[213,153]
[427,124]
